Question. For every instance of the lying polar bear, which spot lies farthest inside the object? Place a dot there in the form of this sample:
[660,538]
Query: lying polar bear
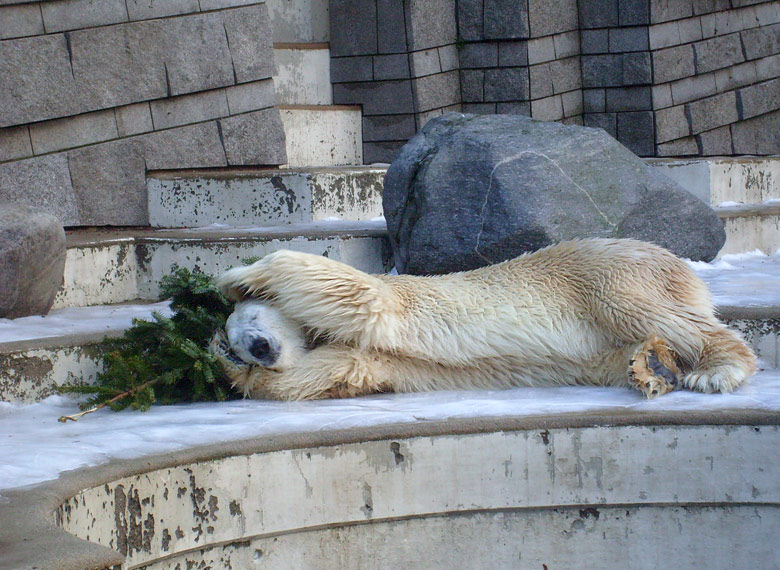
[597,311]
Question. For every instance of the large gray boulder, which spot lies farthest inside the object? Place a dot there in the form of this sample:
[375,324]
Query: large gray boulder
[470,190]
[32,260]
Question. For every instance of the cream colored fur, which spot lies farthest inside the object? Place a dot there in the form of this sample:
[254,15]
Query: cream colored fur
[574,313]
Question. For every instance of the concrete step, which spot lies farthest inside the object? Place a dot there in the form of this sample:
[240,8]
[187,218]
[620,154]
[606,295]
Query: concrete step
[745,192]
[322,135]
[107,267]
[256,197]
[299,20]
[303,74]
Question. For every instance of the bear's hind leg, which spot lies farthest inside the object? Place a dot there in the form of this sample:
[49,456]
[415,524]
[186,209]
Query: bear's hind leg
[653,368]
[725,362]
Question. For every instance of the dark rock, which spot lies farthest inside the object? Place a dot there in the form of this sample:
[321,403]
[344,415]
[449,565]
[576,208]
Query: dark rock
[471,190]
[32,260]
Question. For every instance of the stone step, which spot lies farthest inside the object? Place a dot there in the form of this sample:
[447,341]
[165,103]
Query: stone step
[257,197]
[299,20]
[108,267]
[322,135]
[303,74]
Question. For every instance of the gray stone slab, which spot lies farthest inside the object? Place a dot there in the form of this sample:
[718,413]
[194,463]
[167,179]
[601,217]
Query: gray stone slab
[70,132]
[505,20]
[15,143]
[759,99]
[255,138]
[43,182]
[133,119]
[567,44]
[250,96]
[633,12]
[681,147]
[186,109]
[353,26]
[541,80]
[717,53]
[220,4]
[448,56]
[437,91]
[761,42]
[673,63]
[713,112]
[594,100]
[738,76]
[391,26]
[606,121]
[391,66]
[512,54]
[430,23]
[766,68]
[628,39]
[671,124]
[635,131]
[552,16]
[388,128]
[470,20]
[602,70]
[547,109]
[716,142]
[664,35]
[482,54]
[109,181]
[759,135]
[723,23]
[666,10]
[191,146]
[637,69]
[377,97]
[692,88]
[662,96]
[690,30]
[77,14]
[381,152]
[598,13]
[629,99]
[347,69]
[472,86]
[506,84]
[566,74]
[425,62]
[146,9]
[480,108]
[250,38]
[594,41]
[20,21]
[514,108]
[705,6]
[572,104]
[541,50]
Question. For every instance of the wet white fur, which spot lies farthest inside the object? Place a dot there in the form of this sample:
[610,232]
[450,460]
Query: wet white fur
[252,319]
[573,313]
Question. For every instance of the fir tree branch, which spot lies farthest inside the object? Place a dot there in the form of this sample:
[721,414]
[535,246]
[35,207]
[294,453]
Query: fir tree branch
[125,394]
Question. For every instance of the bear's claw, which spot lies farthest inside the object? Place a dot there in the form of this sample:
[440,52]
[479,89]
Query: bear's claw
[653,369]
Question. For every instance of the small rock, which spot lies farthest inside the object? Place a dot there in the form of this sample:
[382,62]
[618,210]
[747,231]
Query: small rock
[470,190]
[32,260]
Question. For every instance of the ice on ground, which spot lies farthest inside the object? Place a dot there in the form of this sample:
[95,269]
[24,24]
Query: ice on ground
[744,279]
[35,447]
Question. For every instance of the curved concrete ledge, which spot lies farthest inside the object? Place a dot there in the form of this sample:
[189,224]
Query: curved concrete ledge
[634,489]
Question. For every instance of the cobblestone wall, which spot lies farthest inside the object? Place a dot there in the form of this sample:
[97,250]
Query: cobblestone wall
[665,77]
[97,92]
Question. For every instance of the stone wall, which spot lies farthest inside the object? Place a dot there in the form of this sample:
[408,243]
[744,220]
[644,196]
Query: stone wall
[97,92]
[664,77]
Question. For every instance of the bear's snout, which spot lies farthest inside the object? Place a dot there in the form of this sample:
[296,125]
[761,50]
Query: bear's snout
[263,351]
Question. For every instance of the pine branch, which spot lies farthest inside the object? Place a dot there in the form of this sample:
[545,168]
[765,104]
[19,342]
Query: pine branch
[125,394]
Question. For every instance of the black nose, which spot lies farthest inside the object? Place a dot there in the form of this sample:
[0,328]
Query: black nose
[260,348]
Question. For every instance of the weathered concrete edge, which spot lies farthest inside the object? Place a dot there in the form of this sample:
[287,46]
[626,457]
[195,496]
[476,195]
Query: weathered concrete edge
[29,537]
[228,173]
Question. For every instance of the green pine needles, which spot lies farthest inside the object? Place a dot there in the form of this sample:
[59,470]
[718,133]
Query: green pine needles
[165,361]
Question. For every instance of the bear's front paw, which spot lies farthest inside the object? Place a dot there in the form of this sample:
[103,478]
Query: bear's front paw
[653,368]
[219,347]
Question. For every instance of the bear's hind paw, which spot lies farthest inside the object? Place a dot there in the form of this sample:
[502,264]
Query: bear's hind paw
[653,368]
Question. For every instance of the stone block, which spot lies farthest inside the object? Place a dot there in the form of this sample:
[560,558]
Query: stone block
[506,84]
[42,182]
[736,76]
[250,96]
[472,86]
[575,120]
[391,26]
[692,88]
[470,20]
[595,41]
[764,15]
[628,39]
[671,123]
[594,100]
[186,109]
[598,13]
[552,16]
[713,112]
[759,135]
[717,53]
[357,68]
[606,121]
[635,131]
[722,23]
[766,68]
[191,146]
[548,109]
[479,108]
[567,44]
[666,10]
[393,66]
[377,97]
[759,99]
[514,108]
[715,142]
[146,9]
[624,99]
[206,5]
[541,50]
[79,14]
[109,181]
[664,35]
[636,68]
[133,119]
[20,21]
[70,132]
[690,30]
[353,28]
[566,74]
[633,12]
[706,6]
[680,147]
[483,54]
[662,96]
[602,70]
[448,57]
[430,23]
[761,42]
[425,62]
[512,54]
[541,81]
[505,20]
[436,91]
[572,103]
[388,128]
[15,143]
[381,152]
[673,63]
[249,36]
[254,139]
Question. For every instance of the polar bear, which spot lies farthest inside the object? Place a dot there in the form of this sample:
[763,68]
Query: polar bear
[607,312]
